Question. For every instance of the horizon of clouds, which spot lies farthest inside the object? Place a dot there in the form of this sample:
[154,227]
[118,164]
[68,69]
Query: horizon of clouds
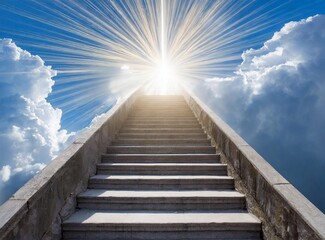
[276,100]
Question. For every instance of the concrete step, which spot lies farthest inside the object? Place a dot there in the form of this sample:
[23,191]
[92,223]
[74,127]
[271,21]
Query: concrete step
[159,120]
[139,225]
[162,118]
[161,158]
[160,149]
[162,121]
[161,200]
[157,182]
[161,180]
[162,102]
[151,114]
[171,109]
[173,113]
[161,142]
[162,125]
[161,130]
[152,98]
[159,106]
[160,110]
[162,168]
[200,136]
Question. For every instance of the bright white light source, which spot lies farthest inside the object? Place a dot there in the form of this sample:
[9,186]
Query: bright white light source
[125,68]
[165,78]
[165,72]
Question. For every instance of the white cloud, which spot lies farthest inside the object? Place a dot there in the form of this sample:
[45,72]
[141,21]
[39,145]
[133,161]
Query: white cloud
[276,101]
[30,130]
[5,173]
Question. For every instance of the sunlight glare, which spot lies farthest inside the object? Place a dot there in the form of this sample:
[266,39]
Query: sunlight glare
[101,48]
[166,78]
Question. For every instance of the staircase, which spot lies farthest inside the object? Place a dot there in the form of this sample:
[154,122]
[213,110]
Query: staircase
[161,179]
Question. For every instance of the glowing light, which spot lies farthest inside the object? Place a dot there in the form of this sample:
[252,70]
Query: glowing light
[92,43]
[162,33]
[125,67]
[165,71]
[166,78]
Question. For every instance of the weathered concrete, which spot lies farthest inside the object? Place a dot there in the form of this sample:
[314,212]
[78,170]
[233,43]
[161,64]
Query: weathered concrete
[164,189]
[162,168]
[161,158]
[160,149]
[161,200]
[162,142]
[36,210]
[162,136]
[173,182]
[140,225]
[285,212]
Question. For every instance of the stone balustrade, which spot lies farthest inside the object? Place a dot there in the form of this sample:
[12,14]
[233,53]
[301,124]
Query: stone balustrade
[284,211]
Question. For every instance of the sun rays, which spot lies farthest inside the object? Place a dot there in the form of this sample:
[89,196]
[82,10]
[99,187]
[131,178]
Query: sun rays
[103,48]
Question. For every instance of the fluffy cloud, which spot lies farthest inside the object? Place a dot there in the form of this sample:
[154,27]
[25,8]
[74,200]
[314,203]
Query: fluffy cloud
[276,101]
[30,131]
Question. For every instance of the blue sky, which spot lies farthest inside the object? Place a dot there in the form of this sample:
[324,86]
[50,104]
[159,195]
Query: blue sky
[87,44]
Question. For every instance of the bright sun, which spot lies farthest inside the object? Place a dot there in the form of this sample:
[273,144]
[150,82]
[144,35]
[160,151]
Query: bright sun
[165,81]
[165,72]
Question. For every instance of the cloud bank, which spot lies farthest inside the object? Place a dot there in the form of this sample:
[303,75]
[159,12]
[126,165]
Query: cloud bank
[30,131]
[276,101]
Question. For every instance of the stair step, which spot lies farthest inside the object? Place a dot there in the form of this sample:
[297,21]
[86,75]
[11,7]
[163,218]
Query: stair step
[163,136]
[105,224]
[160,149]
[160,98]
[157,182]
[163,125]
[170,112]
[131,118]
[161,200]
[161,142]
[161,180]
[162,121]
[129,130]
[161,158]
[162,168]
[161,102]
[157,105]
[161,115]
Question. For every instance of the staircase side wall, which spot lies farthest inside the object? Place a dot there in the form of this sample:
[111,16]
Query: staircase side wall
[284,211]
[37,209]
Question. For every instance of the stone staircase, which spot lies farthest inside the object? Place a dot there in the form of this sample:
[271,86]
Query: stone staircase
[161,179]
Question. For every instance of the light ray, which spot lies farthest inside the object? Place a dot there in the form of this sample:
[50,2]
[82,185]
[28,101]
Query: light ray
[161,42]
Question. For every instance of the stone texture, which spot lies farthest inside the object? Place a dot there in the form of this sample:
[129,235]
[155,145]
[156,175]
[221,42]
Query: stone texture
[286,212]
[156,185]
[37,210]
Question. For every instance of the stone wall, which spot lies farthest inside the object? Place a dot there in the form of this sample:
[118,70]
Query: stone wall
[37,209]
[284,211]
